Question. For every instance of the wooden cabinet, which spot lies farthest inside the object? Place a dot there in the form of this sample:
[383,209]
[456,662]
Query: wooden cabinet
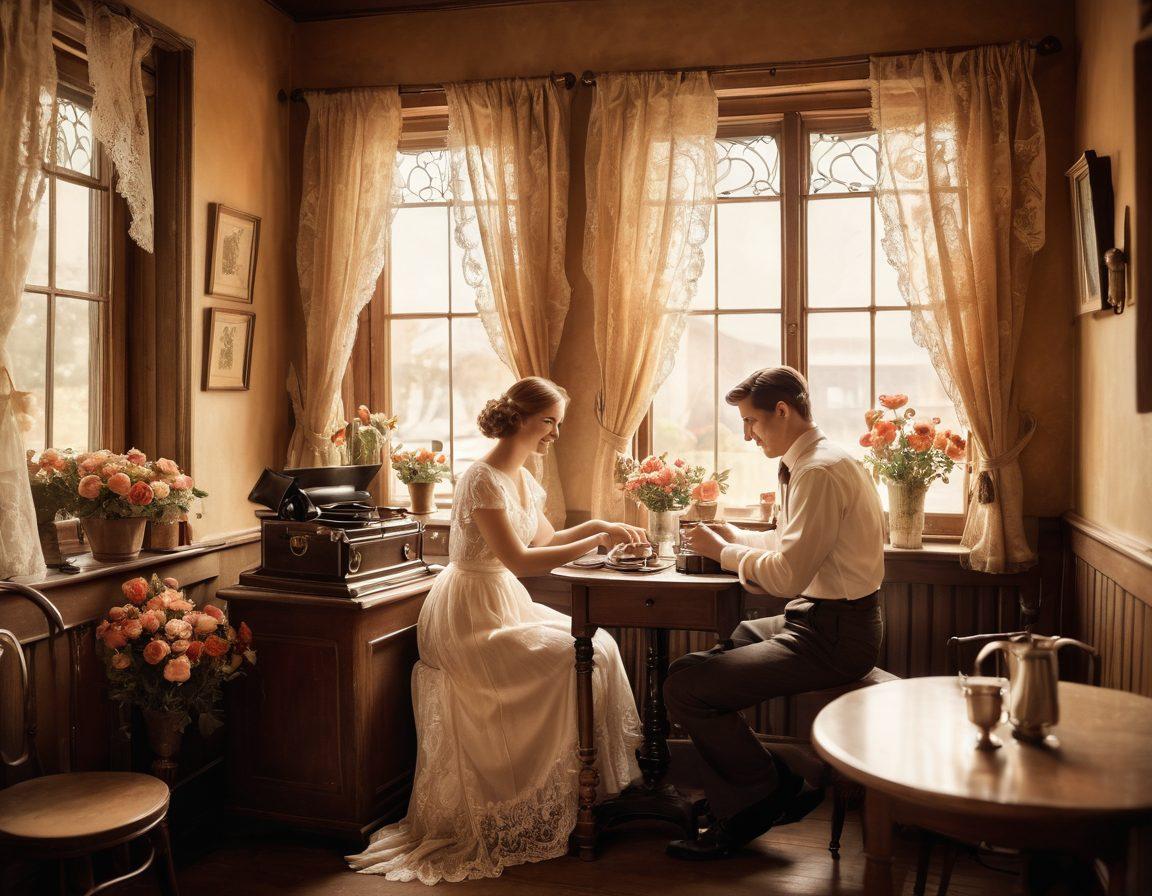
[321,732]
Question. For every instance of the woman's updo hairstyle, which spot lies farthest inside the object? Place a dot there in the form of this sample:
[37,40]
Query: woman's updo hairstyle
[503,416]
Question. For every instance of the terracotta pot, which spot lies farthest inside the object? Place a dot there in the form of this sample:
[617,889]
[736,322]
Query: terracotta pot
[163,536]
[165,734]
[906,515]
[423,499]
[115,540]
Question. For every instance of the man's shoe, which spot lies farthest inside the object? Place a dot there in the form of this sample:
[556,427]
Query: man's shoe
[716,842]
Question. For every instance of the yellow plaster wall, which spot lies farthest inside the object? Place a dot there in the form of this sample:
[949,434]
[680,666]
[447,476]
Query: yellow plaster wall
[1113,472]
[242,57]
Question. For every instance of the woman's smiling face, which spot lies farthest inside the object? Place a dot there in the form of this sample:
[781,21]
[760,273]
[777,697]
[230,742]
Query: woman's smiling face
[543,428]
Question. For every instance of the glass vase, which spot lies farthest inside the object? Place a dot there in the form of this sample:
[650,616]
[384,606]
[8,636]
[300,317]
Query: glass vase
[664,531]
[906,514]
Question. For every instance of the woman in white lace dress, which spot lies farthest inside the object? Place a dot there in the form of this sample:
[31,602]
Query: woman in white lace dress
[494,690]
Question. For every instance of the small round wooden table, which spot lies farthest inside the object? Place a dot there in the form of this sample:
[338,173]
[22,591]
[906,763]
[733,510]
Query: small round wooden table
[910,744]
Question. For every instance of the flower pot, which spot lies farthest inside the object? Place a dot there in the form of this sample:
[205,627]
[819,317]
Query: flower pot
[114,540]
[664,531]
[49,537]
[906,514]
[165,734]
[705,510]
[163,536]
[423,500]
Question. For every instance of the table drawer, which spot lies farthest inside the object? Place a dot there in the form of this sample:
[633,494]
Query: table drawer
[651,609]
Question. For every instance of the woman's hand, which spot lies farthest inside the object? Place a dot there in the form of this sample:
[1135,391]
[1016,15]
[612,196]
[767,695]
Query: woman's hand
[622,533]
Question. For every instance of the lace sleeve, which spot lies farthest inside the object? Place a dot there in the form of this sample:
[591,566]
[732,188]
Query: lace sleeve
[479,489]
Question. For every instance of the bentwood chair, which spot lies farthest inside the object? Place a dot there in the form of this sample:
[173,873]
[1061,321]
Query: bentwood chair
[67,817]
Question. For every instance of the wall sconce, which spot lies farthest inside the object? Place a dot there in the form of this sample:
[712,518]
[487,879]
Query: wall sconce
[1117,263]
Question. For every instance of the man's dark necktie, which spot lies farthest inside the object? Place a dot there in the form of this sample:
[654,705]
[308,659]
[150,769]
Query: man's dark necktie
[782,476]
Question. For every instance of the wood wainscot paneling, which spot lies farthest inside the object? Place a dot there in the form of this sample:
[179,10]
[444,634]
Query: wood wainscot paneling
[1107,602]
[78,728]
[323,737]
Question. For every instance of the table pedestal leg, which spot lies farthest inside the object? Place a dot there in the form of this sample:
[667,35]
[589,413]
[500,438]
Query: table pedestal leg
[877,844]
[652,798]
[585,833]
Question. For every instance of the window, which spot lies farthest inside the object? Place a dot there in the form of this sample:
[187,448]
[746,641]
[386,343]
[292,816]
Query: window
[795,274]
[442,366]
[58,344]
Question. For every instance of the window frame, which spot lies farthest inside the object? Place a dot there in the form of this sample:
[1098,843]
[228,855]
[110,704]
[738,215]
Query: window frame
[72,81]
[792,128]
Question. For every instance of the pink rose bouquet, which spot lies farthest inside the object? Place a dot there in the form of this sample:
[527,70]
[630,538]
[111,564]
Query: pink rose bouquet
[906,450]
[658,484]
[164,654]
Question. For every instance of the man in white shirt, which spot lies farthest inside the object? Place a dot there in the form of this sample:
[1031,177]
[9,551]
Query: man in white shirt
[828,554]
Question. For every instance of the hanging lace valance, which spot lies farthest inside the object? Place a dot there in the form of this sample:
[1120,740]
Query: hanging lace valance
[116,50]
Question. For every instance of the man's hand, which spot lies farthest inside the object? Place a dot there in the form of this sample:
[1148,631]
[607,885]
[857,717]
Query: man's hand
[703,540]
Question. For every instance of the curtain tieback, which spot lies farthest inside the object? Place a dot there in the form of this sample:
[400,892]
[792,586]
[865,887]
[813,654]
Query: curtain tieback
[620,444]
[985,492]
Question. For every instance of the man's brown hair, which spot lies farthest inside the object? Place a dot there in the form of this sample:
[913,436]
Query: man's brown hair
[773,384]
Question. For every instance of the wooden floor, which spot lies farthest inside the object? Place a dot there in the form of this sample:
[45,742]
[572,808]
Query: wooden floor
[789,860]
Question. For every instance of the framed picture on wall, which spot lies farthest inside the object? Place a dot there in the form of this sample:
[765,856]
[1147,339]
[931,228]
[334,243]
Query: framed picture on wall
[227,349]
[1091,182]
[233,238]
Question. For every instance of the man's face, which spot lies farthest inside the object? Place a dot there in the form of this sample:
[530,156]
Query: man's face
[766,428]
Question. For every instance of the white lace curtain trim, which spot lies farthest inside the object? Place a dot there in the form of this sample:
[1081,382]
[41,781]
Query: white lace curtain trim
[116,49]
[349,197]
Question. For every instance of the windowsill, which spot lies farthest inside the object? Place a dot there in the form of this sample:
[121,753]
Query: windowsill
[91,570]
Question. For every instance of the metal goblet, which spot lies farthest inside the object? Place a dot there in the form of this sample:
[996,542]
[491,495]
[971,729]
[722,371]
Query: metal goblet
[985,698]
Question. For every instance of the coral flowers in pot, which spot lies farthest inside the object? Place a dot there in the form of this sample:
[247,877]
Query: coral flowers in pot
[163,654]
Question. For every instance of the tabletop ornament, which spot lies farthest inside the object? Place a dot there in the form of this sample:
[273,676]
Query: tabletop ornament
[1032,693]
[908,455]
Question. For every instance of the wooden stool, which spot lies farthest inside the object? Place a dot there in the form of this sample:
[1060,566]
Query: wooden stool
[799,754]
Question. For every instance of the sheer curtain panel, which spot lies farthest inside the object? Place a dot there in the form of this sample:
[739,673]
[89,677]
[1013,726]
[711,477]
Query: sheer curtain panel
[961,193]
[346,209]
[27,100]
[116,49]
[651,183]
[508,145]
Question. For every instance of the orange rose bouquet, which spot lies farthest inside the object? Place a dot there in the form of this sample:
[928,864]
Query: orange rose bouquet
[420,465]
[906,450]
[164,655]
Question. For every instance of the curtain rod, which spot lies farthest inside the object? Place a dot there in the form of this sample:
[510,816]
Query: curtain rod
[568,79]
[1046,46]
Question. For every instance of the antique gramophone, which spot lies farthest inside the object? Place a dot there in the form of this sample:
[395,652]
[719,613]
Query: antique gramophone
[324,535]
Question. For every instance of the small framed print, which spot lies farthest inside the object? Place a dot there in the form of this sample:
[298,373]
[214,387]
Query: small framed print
[233,238]
[227,349]
[1090,180]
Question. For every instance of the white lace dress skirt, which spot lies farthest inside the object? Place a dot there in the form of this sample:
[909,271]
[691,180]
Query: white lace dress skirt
[495,700]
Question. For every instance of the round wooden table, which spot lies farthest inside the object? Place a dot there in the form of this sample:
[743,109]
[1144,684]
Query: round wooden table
[910,744]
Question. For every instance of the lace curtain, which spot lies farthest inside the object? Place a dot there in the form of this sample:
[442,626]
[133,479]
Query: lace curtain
[961,194]
[346,208]
[116,49]
[651,181]
[508,146]
[27,101]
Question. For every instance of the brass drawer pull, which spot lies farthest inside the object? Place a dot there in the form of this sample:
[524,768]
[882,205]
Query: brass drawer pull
[650,602]
[406,551]
[298,544]
[353,561]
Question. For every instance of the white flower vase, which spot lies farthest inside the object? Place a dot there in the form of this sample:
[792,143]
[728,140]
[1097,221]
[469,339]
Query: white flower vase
[664,531]
[906,515]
